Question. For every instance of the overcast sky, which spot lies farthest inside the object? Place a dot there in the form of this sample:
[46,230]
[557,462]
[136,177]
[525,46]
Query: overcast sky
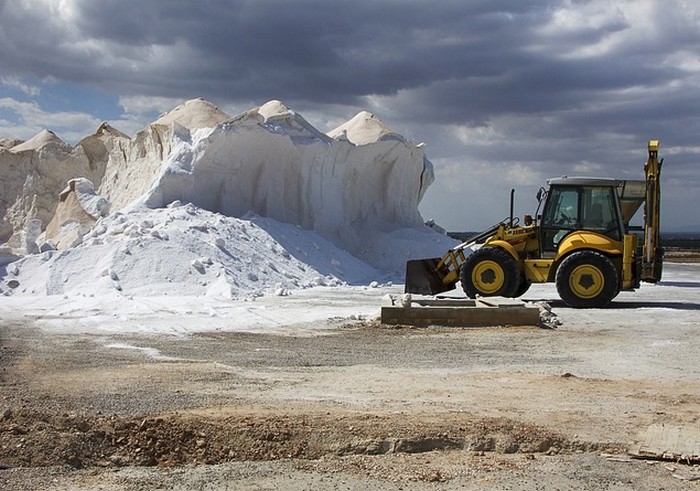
[505,93]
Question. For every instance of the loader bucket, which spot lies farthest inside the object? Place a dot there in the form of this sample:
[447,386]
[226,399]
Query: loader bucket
[423,277]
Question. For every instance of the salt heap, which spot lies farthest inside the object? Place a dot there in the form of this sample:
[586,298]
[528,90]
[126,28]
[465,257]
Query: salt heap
[272,162]
[185,250]
[206,204]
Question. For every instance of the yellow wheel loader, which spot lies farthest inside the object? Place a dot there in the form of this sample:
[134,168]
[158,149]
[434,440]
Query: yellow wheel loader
[582,241]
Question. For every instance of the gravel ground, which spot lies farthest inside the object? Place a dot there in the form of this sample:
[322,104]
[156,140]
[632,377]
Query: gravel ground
[355,405]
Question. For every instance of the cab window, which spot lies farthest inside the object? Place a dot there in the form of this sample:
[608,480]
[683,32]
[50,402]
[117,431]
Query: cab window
[560,216]
[598,211]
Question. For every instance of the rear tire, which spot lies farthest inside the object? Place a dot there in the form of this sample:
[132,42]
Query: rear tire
[587,279]
[489,272]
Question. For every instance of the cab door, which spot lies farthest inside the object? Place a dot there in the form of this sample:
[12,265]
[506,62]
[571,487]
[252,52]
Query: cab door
[559,217]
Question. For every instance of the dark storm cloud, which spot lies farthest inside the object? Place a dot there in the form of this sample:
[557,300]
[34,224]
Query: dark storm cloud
[305,50]
[582,82]
[455,61]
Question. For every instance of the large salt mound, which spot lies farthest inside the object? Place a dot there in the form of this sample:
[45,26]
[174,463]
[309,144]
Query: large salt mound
[184,250]
[329,209]
[274,163]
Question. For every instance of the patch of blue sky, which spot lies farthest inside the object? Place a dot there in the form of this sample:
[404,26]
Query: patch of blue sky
[7,117]
[63,97]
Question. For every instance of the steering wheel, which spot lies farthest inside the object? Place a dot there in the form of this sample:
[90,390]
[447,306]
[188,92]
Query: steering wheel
[565,219]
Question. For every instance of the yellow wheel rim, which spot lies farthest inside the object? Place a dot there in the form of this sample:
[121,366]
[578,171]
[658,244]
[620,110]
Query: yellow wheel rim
[586,281]
[488,277]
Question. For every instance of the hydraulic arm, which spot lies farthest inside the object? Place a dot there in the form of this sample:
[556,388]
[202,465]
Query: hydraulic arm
[652,253]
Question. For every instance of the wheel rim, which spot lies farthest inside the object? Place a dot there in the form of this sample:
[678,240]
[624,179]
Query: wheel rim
[586,281]
[488,277]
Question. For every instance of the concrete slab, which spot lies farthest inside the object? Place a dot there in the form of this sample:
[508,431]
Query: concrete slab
[453,312]
[670,442]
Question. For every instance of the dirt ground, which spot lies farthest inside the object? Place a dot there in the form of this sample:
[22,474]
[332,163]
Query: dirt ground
[354,405]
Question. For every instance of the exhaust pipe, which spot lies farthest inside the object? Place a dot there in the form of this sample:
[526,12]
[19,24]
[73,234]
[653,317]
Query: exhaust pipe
[512,200]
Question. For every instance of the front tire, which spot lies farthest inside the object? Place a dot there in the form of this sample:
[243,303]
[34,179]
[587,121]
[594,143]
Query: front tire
[489,272]
[587,279]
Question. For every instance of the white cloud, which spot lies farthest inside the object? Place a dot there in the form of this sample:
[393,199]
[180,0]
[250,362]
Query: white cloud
[70,126]
[17,83]
[586,168]
[581,30]
[573,16]
[139,106]
[139,111]
[688,61]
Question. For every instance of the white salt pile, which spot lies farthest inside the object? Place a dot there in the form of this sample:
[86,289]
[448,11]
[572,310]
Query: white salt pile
[203,204]
[185,250]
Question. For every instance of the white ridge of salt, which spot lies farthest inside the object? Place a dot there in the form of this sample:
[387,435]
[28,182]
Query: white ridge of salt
[42,138]
[363,129]
[195,113]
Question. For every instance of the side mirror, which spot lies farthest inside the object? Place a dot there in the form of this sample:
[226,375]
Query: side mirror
[539,195]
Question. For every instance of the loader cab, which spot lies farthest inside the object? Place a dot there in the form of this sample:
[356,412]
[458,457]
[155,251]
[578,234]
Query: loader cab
[576,203]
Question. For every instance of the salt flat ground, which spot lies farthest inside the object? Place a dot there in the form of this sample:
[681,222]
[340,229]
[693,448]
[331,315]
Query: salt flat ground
[308,391]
